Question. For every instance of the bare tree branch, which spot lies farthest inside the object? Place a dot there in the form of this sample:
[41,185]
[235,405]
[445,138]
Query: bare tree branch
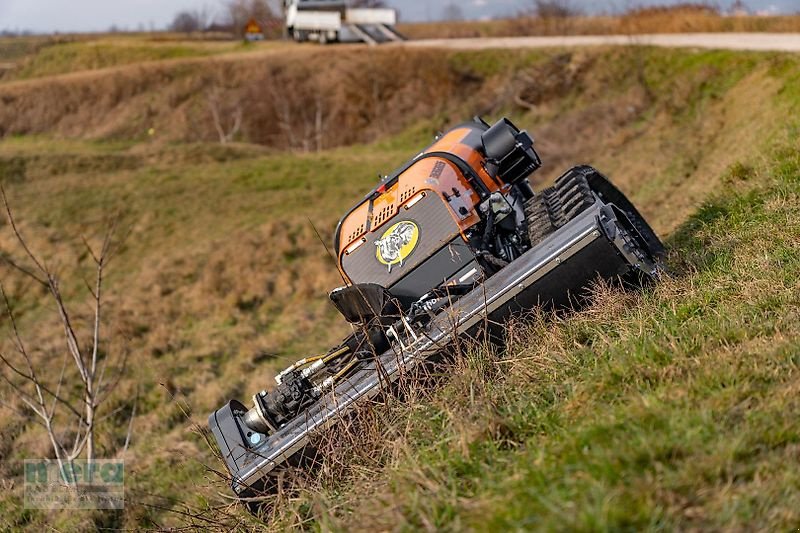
[28,386]
[21,414]
[58,386]
[31,376]
[213,100]
[103,391]
[18,235]
[16,266]
[24,396]
[72,340]
[30,379]
[130,423]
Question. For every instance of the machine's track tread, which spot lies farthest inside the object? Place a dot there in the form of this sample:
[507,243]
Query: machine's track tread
[555,206]
[538,218]
[600,186]
[576,194]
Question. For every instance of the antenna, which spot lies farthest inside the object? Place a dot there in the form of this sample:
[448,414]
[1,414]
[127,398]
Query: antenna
[328,251]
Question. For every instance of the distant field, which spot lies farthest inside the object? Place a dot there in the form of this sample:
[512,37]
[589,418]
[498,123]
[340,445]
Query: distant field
[636,22]
[675,408]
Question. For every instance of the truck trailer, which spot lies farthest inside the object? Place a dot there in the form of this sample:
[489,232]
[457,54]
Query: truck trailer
[329,21]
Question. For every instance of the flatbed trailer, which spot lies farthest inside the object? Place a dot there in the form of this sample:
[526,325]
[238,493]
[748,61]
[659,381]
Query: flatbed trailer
[328,21]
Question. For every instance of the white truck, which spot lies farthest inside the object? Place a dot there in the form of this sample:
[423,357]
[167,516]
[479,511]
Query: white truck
[328,21]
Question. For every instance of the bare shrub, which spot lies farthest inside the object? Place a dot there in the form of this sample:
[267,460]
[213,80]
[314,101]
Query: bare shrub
[554,9]
[555,15]
[684,17]
[186,22]
[66,405]
[452,12]
[668,19]
[226,115]
[356,99]
[192,20]
[321,101]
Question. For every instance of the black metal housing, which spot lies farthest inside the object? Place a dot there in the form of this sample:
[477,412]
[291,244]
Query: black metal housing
[510,151]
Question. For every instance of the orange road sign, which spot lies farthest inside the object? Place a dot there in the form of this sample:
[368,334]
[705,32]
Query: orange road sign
[252,27]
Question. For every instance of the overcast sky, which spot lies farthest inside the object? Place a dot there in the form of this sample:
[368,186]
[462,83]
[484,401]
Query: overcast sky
[100,15]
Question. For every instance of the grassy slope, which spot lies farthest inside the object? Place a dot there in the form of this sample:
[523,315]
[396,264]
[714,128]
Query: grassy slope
[674,408]
[223,281]
[39,56]
[671,409]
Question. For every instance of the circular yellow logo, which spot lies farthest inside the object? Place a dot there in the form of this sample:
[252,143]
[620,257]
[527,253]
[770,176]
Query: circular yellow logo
[397,243]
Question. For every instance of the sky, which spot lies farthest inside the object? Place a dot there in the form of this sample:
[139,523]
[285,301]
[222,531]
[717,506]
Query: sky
[47,16]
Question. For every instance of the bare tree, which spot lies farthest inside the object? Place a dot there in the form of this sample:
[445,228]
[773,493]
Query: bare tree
[452,11]
[304,126]
[185,22]
[554,9]
[205,15]
[555,15]
[67,410]
[239,12]
[226,129]
[194,20]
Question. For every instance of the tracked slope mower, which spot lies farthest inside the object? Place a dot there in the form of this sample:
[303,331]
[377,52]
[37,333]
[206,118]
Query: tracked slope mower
[454,240]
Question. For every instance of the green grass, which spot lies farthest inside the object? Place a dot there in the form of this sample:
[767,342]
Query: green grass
[686,423]
[191,211]
[37,58]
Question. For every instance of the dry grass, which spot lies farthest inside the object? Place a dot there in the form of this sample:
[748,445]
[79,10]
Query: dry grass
[640,21]
[47,55]
[342,98]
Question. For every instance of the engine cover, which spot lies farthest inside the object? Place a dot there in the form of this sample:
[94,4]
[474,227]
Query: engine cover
[416,251]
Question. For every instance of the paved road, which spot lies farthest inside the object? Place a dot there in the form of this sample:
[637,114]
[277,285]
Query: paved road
[779,42]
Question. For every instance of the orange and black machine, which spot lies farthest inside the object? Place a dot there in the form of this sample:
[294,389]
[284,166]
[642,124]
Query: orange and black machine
[449,245]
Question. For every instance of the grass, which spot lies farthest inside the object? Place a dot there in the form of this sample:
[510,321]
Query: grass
[670,408]
[90,56]
[39,57]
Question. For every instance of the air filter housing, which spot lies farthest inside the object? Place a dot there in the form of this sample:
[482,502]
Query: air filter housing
[510,152]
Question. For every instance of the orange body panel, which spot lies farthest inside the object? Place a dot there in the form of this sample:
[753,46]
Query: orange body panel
[453,143]
[435,174]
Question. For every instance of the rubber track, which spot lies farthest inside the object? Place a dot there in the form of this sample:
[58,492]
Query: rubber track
[555,206]
[538,218]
